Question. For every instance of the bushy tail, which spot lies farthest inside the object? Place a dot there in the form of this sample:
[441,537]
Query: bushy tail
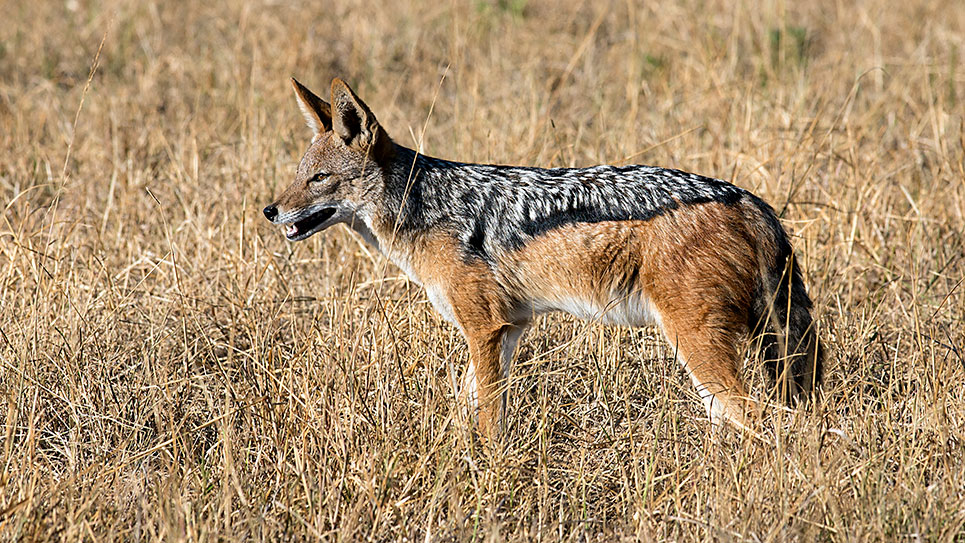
[781,322]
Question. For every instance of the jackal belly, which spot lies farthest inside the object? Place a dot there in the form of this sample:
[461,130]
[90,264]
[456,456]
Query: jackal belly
[620,309]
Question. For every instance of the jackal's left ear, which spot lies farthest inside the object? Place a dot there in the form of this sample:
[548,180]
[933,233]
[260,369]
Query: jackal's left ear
[352,120]
[318,114]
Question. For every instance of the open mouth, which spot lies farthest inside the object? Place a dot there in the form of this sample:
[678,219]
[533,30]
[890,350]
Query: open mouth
[307,226]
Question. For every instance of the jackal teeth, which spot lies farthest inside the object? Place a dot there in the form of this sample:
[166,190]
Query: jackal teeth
[304,228]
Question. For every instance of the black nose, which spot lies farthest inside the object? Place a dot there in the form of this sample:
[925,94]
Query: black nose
[271,212]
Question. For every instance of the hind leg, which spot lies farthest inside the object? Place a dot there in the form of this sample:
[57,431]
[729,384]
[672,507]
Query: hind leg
[708,347]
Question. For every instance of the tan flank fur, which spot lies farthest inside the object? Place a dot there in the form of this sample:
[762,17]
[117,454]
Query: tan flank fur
[496,245]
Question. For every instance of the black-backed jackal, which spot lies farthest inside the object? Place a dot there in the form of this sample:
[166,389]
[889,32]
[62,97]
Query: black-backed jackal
[496,245]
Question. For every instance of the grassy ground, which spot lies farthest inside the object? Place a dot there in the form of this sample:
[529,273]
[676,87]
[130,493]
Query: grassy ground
[172,369]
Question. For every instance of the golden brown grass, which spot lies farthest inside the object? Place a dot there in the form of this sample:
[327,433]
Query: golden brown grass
[173,369]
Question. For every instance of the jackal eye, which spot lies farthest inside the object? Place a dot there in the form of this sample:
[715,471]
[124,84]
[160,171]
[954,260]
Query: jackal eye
[318,177]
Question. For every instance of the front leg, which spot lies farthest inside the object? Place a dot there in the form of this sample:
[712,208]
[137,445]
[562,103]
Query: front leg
[465,291]
[493,384]
[484,383]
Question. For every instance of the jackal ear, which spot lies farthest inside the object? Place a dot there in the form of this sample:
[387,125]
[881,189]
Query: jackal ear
[352,120]
[318,114]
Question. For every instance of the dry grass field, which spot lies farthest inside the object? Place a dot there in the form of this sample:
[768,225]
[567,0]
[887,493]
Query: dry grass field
[172,369]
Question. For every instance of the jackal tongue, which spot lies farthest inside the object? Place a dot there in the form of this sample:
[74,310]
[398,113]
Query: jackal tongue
[292,230]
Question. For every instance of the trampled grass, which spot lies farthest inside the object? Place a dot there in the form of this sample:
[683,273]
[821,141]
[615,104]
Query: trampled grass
[173,369]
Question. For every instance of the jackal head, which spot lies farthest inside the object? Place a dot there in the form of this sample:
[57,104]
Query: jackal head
[341,175]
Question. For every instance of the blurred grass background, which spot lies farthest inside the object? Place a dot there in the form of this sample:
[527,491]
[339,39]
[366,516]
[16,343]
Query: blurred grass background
[173,369]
